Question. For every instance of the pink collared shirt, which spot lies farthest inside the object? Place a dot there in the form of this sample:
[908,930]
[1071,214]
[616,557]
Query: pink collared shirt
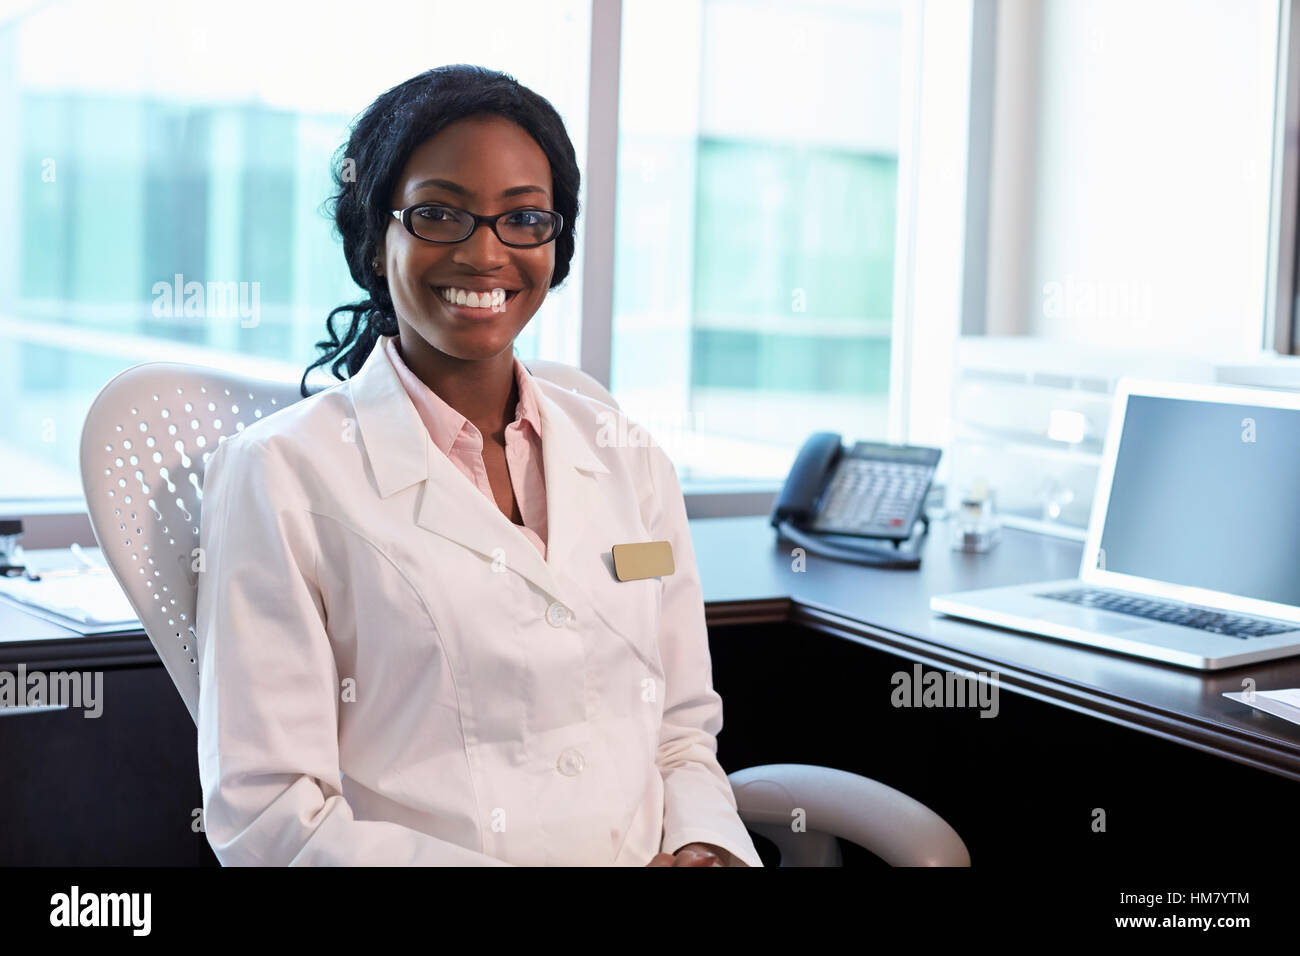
[458,439]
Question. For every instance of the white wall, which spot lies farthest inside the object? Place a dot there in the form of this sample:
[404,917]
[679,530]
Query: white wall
[1152,143]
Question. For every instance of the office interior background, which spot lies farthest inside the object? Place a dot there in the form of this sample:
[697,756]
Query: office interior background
[954,223]
[927,222]
[922,223]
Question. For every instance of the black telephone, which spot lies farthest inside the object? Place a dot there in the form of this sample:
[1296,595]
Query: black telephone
[874,490]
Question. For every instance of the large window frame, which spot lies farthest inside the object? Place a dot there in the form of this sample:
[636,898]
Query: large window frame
[1282,322]
[943,27]
[948,103]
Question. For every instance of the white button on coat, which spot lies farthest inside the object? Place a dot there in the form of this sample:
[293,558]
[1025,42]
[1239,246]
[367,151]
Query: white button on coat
[390,673]
[571,763]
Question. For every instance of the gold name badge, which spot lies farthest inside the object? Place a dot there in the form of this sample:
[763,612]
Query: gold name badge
[649,559]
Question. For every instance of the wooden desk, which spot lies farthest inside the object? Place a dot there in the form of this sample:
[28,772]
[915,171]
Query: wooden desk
[804,662]
[118,789]
[747,578]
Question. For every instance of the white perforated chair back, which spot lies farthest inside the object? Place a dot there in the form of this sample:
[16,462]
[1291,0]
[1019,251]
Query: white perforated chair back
[147,437]
[145,443]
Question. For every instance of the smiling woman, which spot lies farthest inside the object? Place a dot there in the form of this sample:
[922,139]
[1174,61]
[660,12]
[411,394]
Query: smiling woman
[414,647]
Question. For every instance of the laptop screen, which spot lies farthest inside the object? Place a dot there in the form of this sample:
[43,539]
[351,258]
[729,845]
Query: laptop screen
[1207,495]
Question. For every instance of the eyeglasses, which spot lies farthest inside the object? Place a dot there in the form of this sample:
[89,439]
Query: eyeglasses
[520,228]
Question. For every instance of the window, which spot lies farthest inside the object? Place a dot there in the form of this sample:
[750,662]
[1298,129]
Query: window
[152,144]
[758,181]
[1132,209]
[1129,191]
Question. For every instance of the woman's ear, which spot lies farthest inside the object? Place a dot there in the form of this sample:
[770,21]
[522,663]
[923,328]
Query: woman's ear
[377,263]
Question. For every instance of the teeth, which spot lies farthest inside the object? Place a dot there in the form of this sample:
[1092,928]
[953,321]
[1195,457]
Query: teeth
[496,299]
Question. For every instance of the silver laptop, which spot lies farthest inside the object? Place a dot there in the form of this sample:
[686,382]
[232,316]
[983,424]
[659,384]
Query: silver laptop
[1193,551]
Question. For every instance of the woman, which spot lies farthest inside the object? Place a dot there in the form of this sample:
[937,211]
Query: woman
[415,647]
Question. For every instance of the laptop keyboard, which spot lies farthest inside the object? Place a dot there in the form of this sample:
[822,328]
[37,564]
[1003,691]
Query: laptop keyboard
[1187,615]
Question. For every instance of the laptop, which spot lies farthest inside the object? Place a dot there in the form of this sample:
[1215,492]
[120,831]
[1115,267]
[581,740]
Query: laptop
[1193,549]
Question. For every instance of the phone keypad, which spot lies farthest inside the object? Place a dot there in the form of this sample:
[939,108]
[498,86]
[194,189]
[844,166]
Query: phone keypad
[871,496]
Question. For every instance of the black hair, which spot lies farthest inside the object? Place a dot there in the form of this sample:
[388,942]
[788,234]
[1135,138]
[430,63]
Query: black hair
[366,168]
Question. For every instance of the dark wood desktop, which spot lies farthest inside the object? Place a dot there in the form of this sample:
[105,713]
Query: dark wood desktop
[1093,759]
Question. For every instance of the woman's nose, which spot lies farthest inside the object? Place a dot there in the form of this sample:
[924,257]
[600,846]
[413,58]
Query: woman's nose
[482,250]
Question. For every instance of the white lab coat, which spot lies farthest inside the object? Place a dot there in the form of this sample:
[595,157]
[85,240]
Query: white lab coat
[391,674]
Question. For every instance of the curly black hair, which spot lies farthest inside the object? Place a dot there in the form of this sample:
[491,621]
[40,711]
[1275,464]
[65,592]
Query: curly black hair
[367,167]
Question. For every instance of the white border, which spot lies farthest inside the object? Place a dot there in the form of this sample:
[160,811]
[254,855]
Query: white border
[1095,576]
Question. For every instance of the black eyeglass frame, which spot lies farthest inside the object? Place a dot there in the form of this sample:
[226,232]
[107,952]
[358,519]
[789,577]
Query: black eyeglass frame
[404,217]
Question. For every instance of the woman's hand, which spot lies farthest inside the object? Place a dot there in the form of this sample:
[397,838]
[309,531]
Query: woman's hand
[697,854]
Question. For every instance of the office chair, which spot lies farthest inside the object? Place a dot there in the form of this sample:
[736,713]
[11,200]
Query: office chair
[145,443]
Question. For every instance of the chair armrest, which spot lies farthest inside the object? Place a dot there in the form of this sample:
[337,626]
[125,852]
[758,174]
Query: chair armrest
[882,820]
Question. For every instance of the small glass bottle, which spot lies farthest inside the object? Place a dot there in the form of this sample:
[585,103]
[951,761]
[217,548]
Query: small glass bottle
[976,527]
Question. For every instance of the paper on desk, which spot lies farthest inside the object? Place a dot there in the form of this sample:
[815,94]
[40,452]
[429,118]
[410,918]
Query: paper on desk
[90,598]
[1280,703]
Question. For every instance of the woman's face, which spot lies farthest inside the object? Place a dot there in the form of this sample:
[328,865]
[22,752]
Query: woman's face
[487,165]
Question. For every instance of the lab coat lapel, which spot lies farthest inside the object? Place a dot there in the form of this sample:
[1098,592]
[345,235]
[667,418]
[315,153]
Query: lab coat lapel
[572,479]
[401,453]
